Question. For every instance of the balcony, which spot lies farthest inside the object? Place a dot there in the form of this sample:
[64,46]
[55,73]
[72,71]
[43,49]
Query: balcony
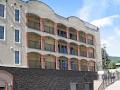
[62,33]
[82,39]
[49,47]
[34,60]
[73,37]
[34,64]
[73,52]
[91,55]
[83,54]
[49,29]
[90,42]
[34,44]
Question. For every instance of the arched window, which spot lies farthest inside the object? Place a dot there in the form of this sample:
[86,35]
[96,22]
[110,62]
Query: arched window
[33,21]
[63,63]
[49,44]
[34,60]
[83,51]
[82,37]
[91,65]
[74,64]
[33,40]
[50,62]
[84,65]
[48,26]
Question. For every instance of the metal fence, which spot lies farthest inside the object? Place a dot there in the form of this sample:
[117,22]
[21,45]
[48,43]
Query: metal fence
[108,79]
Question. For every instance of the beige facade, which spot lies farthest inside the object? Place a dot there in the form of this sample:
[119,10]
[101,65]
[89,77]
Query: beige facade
[47,40]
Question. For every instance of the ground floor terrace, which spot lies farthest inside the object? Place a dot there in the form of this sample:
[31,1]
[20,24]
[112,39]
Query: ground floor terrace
[12,78]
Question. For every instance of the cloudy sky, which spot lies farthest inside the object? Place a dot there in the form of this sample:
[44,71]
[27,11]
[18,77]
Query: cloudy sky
[103,13]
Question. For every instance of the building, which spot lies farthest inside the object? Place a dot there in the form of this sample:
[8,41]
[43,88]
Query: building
[33,36]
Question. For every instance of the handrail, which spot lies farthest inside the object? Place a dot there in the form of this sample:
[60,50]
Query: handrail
[109,79]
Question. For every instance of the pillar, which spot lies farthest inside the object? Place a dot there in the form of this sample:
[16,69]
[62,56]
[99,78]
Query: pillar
[78,51]
[55,28]
[42,43]
[57,63]
[68,48]
[42,62]
[67,30]
[69,64]
[79,67]
[78,36]
[41,25]
[56,45]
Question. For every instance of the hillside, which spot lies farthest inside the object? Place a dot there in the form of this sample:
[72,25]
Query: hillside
[115,59]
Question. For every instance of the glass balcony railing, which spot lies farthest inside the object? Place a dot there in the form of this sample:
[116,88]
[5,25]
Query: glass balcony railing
[90,42]
[83,40]
[34,44]
[83,54]
[49,47]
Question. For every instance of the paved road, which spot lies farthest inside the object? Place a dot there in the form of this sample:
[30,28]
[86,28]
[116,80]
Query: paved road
[114,86]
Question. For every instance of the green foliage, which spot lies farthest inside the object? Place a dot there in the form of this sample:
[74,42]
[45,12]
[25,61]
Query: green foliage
[111,65]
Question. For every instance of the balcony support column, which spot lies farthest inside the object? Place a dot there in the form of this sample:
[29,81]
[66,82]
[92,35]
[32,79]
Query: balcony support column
[78,51]
[42,62]
[69,64]
[57,63]
[55,28]
[41,25]
[56,46]
[78,36]
[79,66]
[68,48]
[42,43]
[67,31]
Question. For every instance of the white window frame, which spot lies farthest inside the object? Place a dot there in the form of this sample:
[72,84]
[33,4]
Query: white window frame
[19,15]
[19,57]
[4,10]
[4,32]
[19,35]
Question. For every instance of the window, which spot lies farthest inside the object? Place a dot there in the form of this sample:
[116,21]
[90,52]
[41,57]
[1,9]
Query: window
[17,57]
[17,36]
[2,32]
[2,8]
[17,15]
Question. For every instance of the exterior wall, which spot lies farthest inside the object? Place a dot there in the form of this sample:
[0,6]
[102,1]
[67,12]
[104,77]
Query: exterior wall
[8,46]
[38,79]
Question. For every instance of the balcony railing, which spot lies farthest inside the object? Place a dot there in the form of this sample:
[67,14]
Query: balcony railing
[73,37]
[90,42]
[84,68]
[91,55]
[50,65]
[63,50]
[49,47]
[83,40]
[34,63]
[83,54]
[49,30]
[73,52]
[62,33]
[34,44]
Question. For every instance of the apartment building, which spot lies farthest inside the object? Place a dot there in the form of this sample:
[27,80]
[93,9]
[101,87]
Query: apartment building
[32,35]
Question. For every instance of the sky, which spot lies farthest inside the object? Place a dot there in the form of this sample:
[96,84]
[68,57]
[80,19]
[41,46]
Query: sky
[103,13]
